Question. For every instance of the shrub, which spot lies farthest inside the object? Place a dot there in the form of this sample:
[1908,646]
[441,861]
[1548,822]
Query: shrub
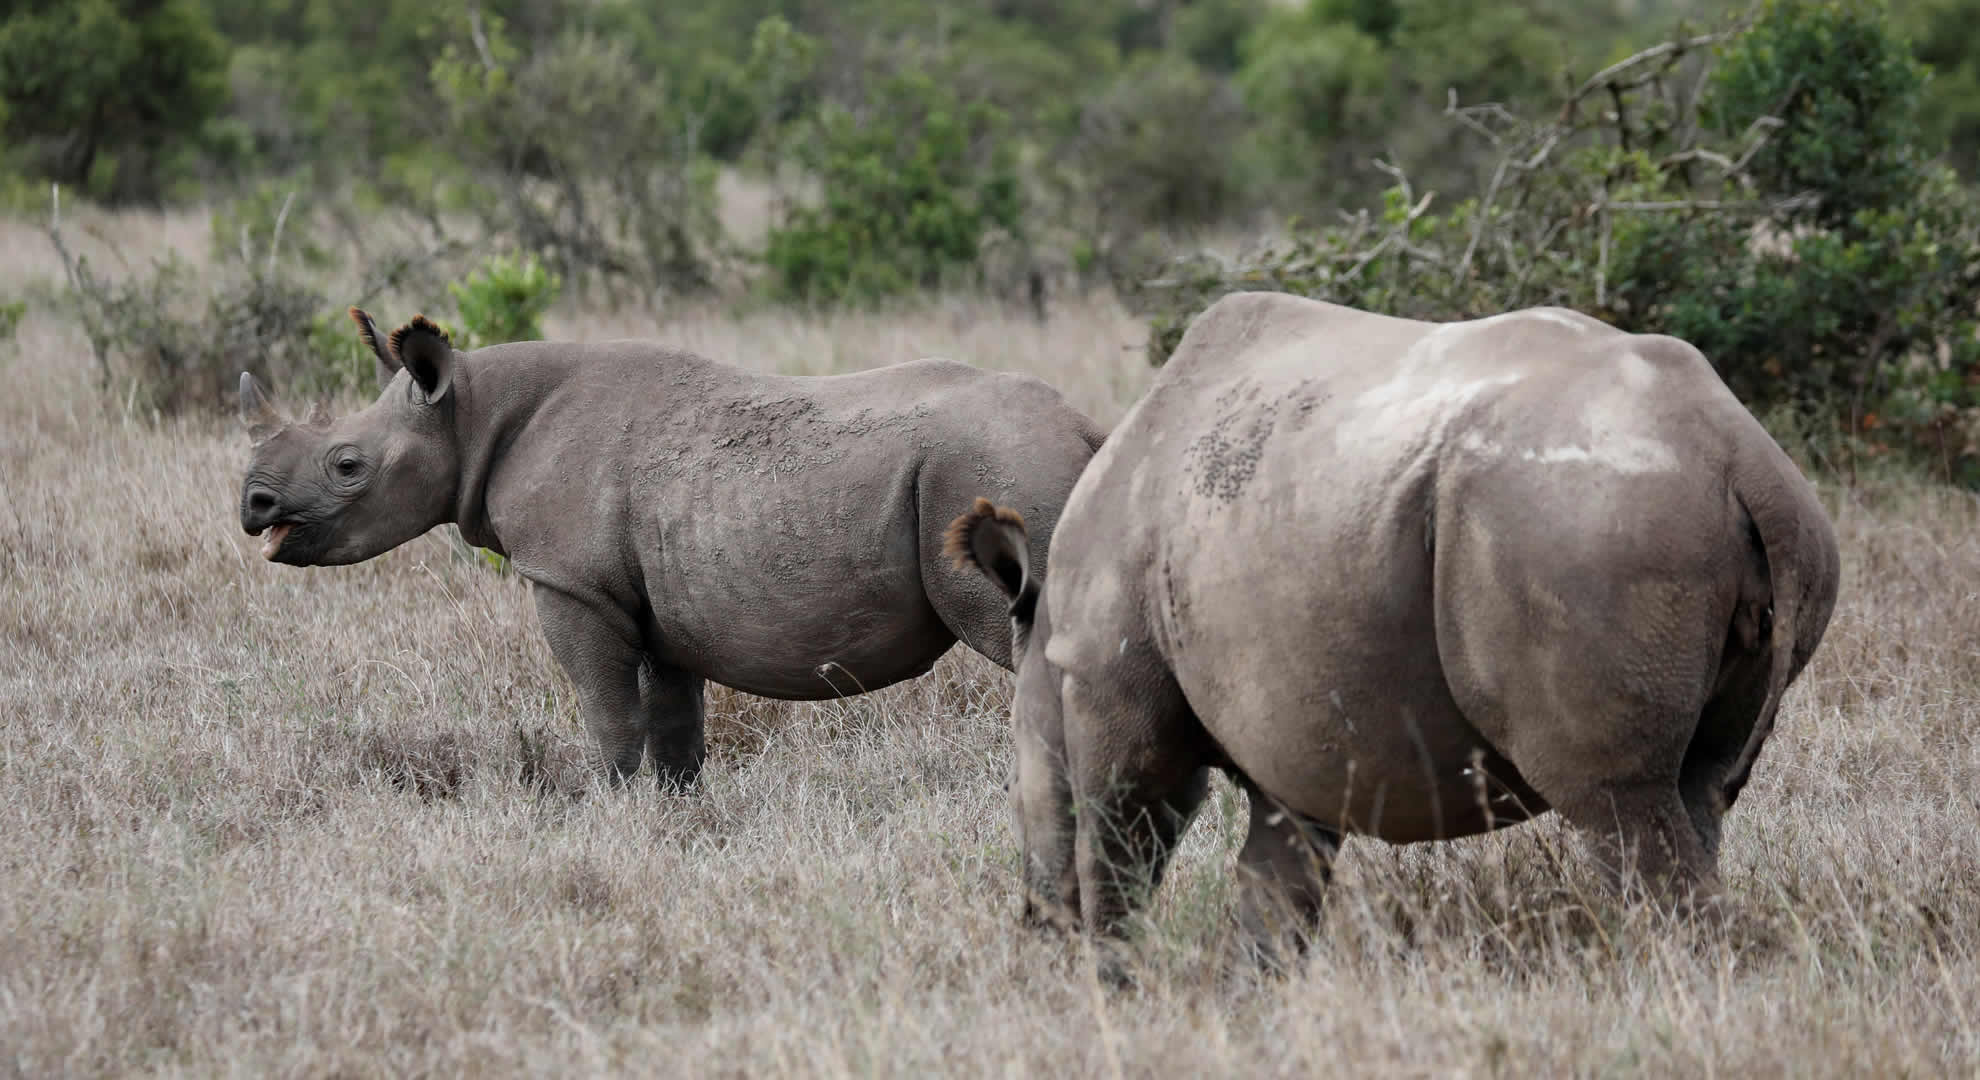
[105,94]
[584,158]
[168,339]
[504,300]
[1847,93]
[1814,258]
[1159,146]
[273,218]
[911,187]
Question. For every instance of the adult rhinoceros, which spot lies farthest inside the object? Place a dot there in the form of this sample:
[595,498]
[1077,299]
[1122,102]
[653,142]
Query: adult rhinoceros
[1408,580]
[680,519]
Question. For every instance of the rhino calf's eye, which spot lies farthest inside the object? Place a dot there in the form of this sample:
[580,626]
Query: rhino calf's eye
[347,466]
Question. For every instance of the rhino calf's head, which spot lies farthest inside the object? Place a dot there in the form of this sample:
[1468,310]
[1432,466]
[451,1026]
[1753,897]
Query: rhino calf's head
[326,491]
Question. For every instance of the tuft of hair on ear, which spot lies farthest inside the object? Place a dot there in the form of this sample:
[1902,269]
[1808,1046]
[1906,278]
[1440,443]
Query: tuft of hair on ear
[420,324]
[388,362]
[956,542]
[992,539]
[367,330]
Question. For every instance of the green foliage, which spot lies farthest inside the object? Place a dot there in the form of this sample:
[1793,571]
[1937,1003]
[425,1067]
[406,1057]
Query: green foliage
[170,341]
[583,157]
[1831,315]
[1848,94]
[1945,35]
[911,187]
[1816,259]
[1212,32]
[1160,146]
[108,95]
[11,314]
[504,299]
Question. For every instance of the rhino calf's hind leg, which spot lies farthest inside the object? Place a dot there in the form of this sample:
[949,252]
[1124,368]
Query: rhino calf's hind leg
[1285,865]
[1122,845]
[675,718]
[603,660]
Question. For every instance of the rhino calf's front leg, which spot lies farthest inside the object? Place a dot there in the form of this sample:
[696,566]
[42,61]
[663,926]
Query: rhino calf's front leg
[599,648]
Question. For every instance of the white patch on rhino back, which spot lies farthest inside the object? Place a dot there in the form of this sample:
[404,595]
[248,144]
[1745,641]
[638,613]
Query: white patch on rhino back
[1637,373]
[1625,452]
[1580,324]
[1422,391]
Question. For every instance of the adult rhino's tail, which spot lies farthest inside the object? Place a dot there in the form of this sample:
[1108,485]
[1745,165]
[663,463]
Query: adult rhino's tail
[1803,565]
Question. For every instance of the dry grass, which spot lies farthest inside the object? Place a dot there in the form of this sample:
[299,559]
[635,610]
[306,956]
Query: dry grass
[256,819]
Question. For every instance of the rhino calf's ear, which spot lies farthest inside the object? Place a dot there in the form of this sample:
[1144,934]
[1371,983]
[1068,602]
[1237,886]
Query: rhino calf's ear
[992,539]
[388,364]
[257,412]
[427,354]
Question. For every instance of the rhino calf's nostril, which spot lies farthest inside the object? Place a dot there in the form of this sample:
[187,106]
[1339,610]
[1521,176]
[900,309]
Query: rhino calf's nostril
[261,501]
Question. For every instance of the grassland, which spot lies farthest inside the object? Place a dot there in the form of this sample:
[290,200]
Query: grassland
[259,820]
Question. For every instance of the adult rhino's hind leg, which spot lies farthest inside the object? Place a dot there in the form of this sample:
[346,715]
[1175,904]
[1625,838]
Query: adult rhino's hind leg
[1285,865]
[1645,835]
[675,712]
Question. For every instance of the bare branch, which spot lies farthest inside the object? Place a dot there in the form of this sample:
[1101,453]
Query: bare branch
[85,286]
[480,37]
[275,241]
[1670,49]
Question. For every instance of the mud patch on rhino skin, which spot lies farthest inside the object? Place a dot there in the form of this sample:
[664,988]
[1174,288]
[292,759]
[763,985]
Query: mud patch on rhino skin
[866,422]
[1224,458]
[1305,400]
[757,422]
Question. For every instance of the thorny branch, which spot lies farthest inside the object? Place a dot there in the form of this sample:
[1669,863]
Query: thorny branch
[84,284]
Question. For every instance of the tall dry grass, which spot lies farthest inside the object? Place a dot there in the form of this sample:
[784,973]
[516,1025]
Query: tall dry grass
[255,819]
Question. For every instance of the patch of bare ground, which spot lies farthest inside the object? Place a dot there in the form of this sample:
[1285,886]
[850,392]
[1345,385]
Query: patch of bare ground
[255,819]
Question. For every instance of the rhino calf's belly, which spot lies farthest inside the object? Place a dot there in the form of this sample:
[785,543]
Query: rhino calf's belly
[824,653]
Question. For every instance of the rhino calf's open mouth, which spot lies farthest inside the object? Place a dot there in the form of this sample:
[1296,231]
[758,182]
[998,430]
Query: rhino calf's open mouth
[272,538]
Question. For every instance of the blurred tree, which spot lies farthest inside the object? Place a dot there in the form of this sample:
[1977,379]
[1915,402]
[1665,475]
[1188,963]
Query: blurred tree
[1945,34]
[103,94]
[1848,95]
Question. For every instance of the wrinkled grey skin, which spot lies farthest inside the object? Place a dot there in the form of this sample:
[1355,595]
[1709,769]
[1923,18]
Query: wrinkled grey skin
[1407,580]
[681,520]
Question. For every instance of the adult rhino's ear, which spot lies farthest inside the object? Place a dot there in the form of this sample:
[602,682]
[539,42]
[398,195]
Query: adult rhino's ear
[992,539]
[388,364]
[257,412]
[427,354]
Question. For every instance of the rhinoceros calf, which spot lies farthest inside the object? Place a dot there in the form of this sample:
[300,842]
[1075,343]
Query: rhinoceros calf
[1407,580]
[680,519]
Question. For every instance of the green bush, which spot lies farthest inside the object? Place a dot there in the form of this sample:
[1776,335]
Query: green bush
[109,96]
[1848,94]
[1813,257]
[911,187]
[584,158]
[1159,147]
[504,300]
